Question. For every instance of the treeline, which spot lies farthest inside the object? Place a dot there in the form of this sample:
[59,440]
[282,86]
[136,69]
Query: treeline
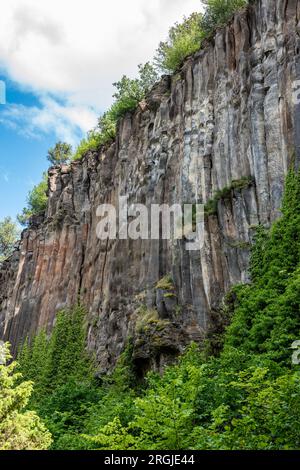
[183,39]
[244,396]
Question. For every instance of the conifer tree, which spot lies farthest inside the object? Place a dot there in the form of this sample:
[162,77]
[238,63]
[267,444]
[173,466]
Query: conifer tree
[19,429]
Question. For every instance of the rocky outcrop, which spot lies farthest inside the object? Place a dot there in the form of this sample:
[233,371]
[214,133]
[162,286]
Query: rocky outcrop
[229,119]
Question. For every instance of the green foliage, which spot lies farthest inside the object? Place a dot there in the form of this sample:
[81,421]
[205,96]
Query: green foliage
[218,12]
[8,237]
[184,39]
[166,283]
[60,153]
[19,429]
[63,374]
[105,134]
[259,412]
[36,201]
[67,355]
[267,318]
[211,207]
[129,92]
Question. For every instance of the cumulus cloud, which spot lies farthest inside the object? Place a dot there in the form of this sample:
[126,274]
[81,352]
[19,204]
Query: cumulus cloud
[74,51]
[67,122]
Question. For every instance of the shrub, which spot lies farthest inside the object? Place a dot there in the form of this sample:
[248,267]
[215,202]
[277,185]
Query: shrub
[218,12]
[129,93]
[19,429]
[211,207]
[184,39]
[60,153]
[36,201]
[8,237]
[89,144]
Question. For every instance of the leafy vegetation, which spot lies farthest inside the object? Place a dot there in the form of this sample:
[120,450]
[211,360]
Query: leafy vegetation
[211,207]
[166,283]
[246,396]
[8,237]
[19,429]
[63,374]
[184,39]
[60,153]
[129,92]
[36,201]
[218,12]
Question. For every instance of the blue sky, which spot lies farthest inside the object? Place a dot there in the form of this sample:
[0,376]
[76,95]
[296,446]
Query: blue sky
[22,158]
[59,64]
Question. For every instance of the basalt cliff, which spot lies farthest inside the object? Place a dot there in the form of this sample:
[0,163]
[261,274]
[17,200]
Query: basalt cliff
[223,132]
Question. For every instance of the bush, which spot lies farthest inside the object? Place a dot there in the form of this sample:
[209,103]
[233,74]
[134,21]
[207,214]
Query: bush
[63,374]
[184,39]
[128,95]
[8,237]
[89,144]
[36,201]
[130,92]
[60,153]
[19,429]
[218,12]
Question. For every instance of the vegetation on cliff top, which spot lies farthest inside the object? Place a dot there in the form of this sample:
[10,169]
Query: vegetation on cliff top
[8,237]
[36,201]
[245,397]
[184,39]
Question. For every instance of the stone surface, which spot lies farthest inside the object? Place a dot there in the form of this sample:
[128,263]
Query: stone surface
[230,113]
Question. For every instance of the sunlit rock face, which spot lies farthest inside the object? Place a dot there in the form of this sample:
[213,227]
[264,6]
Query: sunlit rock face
[230,118]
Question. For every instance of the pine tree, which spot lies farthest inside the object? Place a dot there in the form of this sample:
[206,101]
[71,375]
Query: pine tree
[19,429]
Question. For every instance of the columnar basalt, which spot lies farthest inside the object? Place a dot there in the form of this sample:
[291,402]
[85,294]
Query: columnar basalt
[230,118]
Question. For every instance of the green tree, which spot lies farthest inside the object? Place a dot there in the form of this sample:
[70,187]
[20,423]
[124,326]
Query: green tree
[19,429]
[60,153]
[8,237]
[218,12]
[36,201]
[63,374]
[102,135]
[184,39]
[129,92]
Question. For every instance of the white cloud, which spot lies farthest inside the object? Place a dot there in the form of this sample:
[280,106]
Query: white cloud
[66,122]
[76,50]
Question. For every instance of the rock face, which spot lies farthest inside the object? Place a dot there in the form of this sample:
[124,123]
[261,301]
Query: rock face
[230,118]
